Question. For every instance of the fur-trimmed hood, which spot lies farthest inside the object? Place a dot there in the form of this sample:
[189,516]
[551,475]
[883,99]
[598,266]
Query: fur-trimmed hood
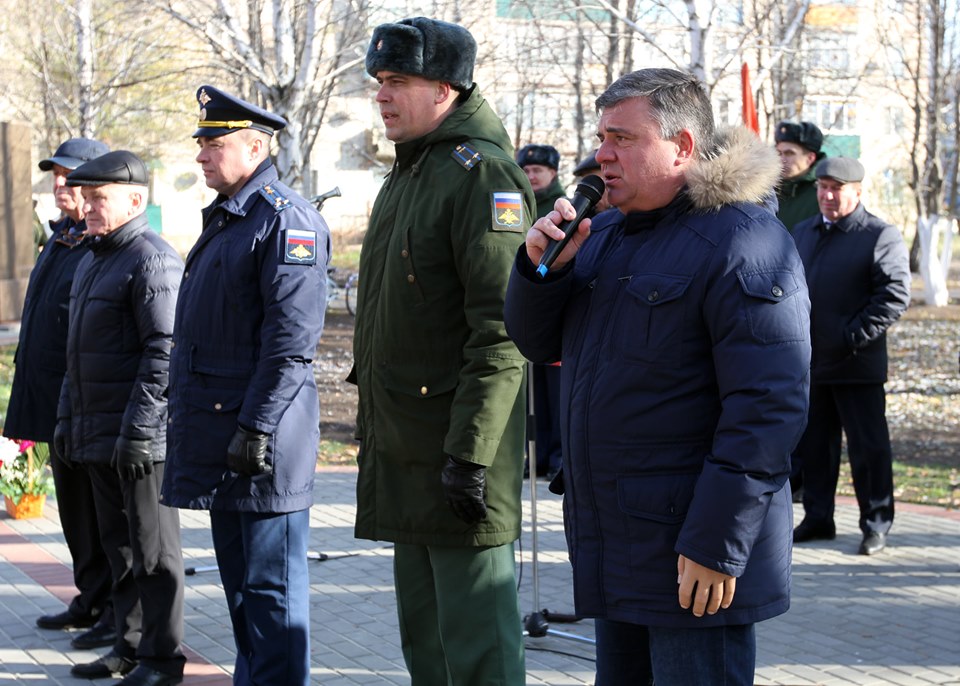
[743,169]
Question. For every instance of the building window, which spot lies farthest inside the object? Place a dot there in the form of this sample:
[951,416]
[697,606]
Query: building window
[833,115]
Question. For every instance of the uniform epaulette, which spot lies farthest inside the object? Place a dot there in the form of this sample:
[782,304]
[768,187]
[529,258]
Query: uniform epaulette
[270,194]
[468,157]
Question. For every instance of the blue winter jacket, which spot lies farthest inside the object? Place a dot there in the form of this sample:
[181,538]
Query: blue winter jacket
[686,353]
[248,320]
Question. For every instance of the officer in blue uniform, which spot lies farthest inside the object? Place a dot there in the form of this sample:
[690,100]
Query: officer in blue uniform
[244,410]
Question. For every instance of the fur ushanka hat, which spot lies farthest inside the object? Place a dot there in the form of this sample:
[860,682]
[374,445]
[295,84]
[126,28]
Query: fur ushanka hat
[433,49]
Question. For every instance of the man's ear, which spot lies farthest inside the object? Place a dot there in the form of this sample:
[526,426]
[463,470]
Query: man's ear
[685,146]
[444,90]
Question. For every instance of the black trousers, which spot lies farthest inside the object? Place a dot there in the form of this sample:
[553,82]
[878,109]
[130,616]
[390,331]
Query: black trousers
[859,410]
[141,538]
[78,519]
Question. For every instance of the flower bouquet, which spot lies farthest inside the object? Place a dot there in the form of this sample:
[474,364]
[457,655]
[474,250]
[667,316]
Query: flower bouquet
[25,480]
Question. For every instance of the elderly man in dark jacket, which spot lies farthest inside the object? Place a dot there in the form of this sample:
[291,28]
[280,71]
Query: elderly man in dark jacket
[244,411]
[682,322]
[41,361]
[113,415]
[858,272]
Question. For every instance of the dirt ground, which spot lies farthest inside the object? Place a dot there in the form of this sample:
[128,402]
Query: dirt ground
[923,394]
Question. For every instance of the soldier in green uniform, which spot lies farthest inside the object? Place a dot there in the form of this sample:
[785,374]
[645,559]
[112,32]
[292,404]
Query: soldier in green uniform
[540,163]
[441,391]
[799,148]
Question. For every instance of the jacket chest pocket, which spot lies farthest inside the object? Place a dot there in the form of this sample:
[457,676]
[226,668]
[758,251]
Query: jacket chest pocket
[648,322]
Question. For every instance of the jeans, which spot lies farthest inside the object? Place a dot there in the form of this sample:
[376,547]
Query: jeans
[641,655]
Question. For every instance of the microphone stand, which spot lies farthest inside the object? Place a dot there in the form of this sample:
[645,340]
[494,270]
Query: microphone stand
[535,624]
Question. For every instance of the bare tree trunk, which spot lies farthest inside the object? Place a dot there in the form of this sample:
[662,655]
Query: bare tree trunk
[85,96]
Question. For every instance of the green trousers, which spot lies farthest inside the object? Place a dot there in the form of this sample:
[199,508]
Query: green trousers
[459,615]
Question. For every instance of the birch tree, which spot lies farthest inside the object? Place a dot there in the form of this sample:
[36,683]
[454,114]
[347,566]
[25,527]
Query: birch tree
[286,55]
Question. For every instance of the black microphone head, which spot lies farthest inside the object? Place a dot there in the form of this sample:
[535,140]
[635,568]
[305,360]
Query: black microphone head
[591,187]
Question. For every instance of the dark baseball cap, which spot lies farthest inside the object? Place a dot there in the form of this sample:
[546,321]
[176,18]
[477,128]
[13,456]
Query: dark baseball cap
[74,152]
[842,169]
[119,166]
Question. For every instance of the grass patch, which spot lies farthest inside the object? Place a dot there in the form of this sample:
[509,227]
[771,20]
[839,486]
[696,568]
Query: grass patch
[924,484]
[336,453]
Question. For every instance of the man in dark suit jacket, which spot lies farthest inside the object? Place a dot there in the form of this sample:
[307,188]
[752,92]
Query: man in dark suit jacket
[858,273]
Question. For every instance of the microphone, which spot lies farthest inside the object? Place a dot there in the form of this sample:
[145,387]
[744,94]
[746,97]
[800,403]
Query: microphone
[588,193]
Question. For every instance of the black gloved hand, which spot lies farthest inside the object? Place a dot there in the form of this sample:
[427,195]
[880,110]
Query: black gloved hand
[464,484]
[61,443]
[247,453]
[132,459]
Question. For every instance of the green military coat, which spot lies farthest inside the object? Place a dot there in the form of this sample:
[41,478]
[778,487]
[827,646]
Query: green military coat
[436,372]
[547,197]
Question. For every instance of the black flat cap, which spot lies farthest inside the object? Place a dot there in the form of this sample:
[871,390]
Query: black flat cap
[436,50]
[119,166]
[544,155]
[222,113]
[805,134]
[587,164]
[842,169]
[74,152]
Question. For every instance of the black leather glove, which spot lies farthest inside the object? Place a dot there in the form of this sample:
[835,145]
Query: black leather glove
[132,458]
[61,443]
[247,452]
[464,484]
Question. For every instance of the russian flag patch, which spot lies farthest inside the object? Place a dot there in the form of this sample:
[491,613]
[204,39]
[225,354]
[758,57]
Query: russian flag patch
[300,246]
[507,210]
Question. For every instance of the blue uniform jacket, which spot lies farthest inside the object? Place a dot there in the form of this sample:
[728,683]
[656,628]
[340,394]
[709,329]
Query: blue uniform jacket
[685,347]
[248,320]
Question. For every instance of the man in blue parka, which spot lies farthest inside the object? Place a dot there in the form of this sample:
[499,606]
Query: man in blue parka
[244,410]
[682,323]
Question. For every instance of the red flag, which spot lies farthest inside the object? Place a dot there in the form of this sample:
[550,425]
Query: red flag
[749,108]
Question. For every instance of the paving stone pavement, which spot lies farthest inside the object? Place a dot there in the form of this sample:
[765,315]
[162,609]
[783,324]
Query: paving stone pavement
[889,619]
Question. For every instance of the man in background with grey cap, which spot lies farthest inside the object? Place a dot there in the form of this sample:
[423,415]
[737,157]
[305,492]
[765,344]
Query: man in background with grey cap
[41,361]
[858,273]
[112,415]
[440,383]
[799,148]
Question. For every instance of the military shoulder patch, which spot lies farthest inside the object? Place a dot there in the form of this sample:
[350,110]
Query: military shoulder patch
[299,246]
[507,210]
[270,194]
[467,157]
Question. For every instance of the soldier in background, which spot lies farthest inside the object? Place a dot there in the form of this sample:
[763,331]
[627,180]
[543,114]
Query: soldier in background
[799,148]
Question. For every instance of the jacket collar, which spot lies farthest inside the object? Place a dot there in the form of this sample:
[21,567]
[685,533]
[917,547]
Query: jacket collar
[115,240]
[239,204]
[742,169]
[472,118]
[850,221]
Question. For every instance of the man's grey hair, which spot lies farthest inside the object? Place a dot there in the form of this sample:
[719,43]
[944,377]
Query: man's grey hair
[677,101]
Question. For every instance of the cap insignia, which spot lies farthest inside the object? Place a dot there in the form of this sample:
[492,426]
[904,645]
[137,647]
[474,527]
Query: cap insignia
[379,45]
[203,113]
[203,98]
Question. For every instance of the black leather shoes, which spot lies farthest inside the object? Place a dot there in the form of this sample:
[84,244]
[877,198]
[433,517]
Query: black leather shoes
[104,667]
[147,676]
[100,636]
[65,620]
[809,530]
[872,543]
